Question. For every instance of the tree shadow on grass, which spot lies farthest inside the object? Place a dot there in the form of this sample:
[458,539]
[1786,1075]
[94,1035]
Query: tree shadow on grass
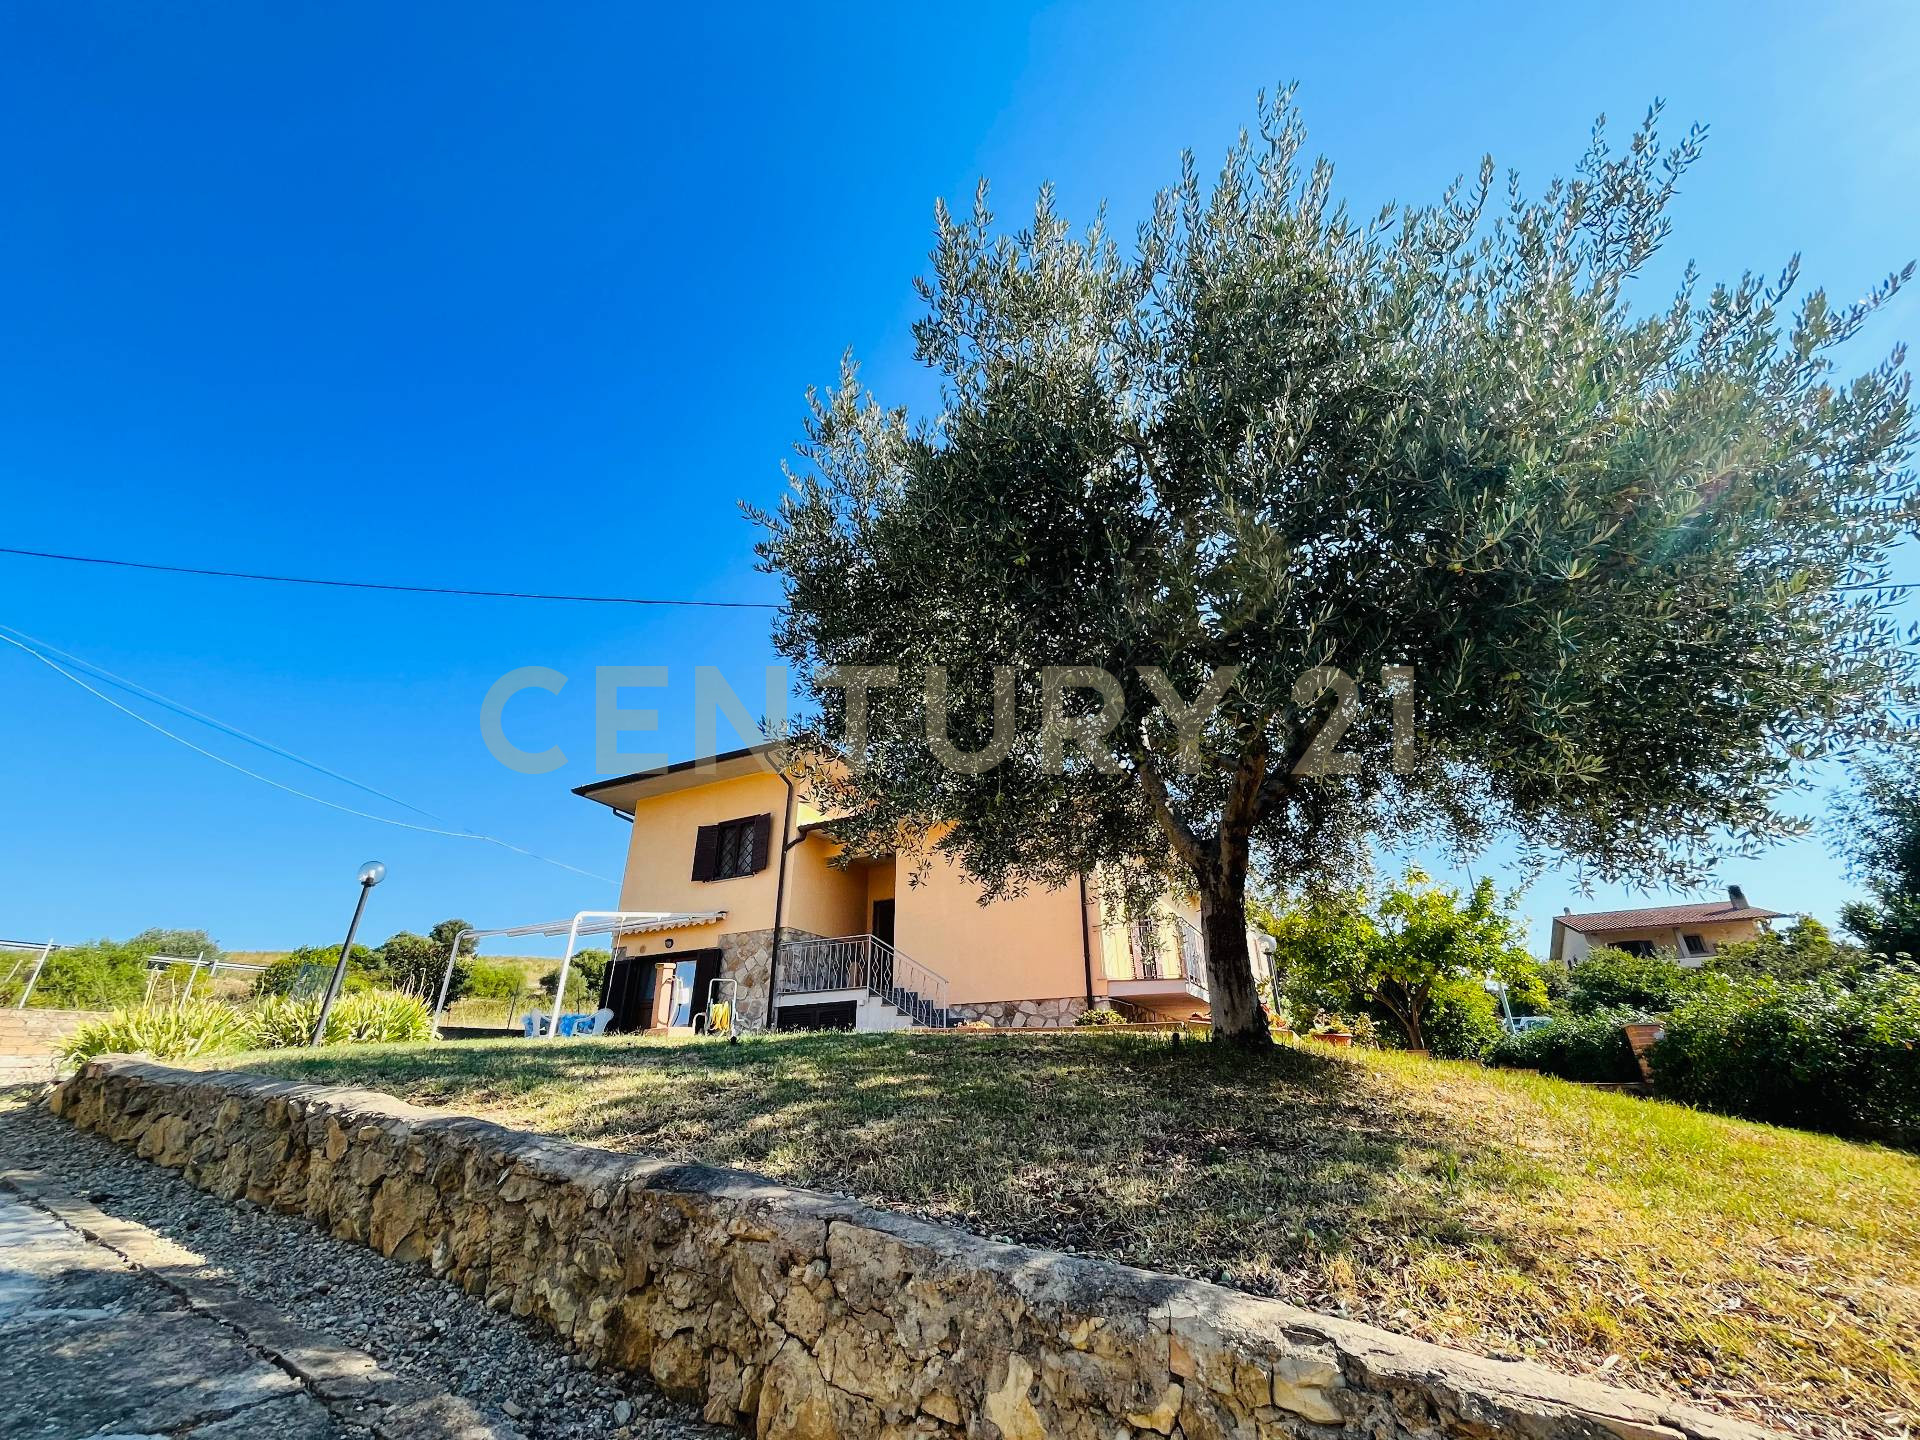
[1197,1158]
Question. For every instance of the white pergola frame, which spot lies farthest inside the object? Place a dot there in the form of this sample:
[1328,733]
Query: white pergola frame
[22,949]
[584,922]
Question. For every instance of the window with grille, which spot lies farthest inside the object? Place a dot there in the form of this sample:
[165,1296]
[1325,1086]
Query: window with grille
[733,848]
[733,851]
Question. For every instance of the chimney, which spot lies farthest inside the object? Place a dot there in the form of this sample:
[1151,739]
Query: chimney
[1737,896]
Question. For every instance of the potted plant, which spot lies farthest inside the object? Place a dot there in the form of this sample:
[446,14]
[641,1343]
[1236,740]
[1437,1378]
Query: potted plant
[1332,1029]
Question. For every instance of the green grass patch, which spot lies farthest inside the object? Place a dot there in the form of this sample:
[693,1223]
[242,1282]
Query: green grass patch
[1764,1272]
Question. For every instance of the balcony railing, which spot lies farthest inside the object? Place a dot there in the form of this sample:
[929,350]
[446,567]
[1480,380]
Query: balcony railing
[864,962]
[1154,954]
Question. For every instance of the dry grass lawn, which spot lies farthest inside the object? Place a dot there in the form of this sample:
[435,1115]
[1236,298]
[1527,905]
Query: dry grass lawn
[1765,1273]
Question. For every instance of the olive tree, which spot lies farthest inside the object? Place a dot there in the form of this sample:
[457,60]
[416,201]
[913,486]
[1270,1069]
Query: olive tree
[1281,530]
[1877,829]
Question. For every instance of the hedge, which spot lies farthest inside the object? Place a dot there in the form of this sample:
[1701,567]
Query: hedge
[1590,1047]
[1818,1056]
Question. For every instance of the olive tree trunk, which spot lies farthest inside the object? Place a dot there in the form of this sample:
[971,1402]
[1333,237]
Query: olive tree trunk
[1237,1013]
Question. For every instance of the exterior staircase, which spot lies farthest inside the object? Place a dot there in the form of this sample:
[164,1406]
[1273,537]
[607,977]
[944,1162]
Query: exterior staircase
[864,962]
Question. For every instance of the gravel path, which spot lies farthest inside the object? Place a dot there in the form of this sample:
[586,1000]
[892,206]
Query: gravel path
[411,1322]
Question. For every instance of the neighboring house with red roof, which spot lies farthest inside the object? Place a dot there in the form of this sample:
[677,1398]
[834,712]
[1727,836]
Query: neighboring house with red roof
[1691,932]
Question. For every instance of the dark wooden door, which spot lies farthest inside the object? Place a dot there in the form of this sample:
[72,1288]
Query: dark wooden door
[883,920]
[627,990]
[706,970]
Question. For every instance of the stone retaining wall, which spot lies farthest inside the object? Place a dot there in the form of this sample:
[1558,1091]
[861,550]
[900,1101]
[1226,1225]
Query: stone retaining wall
[39,1032]
[802,1317]
[1021,1014]
[30,1040]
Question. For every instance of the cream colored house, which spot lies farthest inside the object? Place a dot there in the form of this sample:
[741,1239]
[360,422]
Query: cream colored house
[1691,932]
[866,945]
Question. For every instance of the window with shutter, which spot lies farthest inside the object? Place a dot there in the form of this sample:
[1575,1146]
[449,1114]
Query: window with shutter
[733,848]
[706,844]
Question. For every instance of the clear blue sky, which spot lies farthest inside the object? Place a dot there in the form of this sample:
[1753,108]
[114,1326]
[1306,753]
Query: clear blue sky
[529,296]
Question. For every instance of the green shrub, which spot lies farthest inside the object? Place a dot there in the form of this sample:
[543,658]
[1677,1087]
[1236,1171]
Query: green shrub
[1103,1015]
[382,1017]
[577,988]
[181,944]
[592,966]
[410,962]
[100,975]
[305,972]
[166,1032]
[1818,1056]
[281,977]
[584,974]
[1610,979]
[1591,1048]
[1463,1023]
[486,980]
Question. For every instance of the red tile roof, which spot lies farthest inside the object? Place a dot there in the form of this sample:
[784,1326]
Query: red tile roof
[1602,922]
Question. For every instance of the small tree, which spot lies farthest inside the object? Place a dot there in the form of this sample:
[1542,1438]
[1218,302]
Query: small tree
[412,963]
[444,934]
[1878,831]
[589,967]
[476,979]
[1109,611]
[1399,951]
[181,944]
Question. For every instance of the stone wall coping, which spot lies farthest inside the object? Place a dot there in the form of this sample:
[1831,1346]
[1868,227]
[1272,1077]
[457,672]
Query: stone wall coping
[1481,1396]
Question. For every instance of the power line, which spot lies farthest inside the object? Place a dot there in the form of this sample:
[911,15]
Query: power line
[500,594]
[379,585]
[62,671]
[133,687]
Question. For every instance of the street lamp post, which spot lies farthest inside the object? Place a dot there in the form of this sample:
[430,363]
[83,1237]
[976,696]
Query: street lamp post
[1498,987]
[371,874]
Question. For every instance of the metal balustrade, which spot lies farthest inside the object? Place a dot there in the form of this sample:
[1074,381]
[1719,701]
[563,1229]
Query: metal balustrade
[1153,956]
[864,962]
[1193,954]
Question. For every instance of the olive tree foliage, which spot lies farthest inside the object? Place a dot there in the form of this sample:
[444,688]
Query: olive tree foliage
[1272,442]
[1877,828]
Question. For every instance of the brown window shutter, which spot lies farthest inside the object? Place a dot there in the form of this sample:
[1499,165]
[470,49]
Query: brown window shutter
[762,841]
[706,845]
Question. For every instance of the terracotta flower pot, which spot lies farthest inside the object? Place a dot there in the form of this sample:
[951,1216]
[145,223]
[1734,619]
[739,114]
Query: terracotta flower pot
[1642,1035]
[1335,1037]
